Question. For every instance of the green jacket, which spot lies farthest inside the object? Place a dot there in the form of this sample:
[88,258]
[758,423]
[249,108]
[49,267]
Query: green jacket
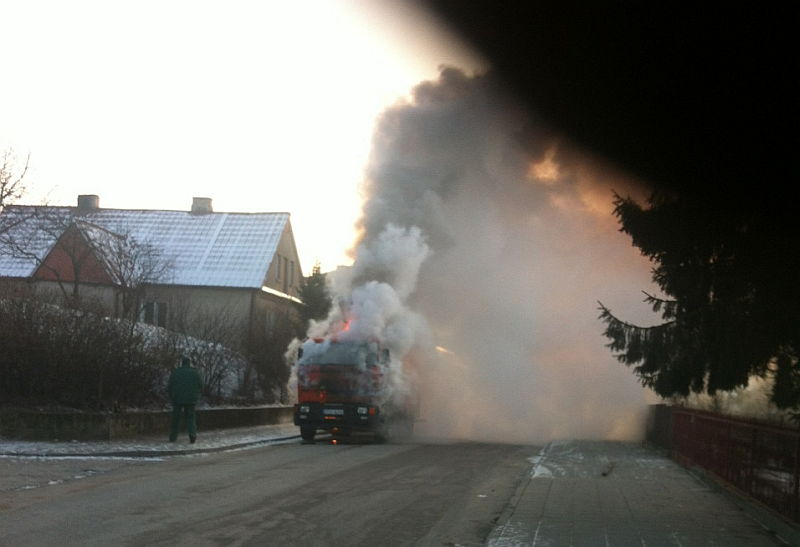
[184,385]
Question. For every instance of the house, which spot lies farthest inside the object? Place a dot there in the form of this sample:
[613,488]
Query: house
[178,269]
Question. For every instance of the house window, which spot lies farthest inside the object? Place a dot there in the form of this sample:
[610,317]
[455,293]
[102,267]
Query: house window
[155,313]
[278,265]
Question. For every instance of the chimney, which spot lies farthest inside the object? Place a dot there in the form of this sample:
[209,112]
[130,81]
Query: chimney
[201,206]
[88,202]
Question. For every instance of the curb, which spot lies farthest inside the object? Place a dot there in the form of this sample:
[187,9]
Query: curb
[495,537]
[146,453]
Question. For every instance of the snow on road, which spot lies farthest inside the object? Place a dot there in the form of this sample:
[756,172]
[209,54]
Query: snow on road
[142,447]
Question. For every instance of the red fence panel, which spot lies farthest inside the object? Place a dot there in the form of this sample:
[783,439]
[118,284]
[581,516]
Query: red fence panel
[758,459]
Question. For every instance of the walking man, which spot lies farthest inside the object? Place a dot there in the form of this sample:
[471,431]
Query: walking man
[184,390]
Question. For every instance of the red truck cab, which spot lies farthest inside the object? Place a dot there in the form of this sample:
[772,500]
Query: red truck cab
[343,388]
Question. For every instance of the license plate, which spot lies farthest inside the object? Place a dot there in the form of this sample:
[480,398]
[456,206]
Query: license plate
[333,411]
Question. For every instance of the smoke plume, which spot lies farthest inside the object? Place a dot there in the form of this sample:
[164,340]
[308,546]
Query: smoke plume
[500,237]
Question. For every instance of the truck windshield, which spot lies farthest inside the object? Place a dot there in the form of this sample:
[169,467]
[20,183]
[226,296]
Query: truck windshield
[340,353]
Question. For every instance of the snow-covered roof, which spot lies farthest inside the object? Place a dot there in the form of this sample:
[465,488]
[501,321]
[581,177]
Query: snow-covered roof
[211,249]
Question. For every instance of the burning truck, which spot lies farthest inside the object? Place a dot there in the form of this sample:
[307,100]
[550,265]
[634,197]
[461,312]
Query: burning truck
[347,386]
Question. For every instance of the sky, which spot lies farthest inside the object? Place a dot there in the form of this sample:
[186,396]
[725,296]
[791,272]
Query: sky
[259,105]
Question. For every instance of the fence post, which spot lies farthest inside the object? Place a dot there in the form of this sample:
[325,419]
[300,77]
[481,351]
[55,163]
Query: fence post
[730,471]
[752,460]
[796,491]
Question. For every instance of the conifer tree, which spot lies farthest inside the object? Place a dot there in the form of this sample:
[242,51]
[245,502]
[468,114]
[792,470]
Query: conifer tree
[731,308]
[315,296]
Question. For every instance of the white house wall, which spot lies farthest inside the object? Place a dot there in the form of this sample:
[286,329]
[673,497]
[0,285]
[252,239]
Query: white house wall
[285,273]
[203,306]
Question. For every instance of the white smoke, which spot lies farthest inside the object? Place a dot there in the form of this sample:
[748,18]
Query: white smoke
[485,236]
[394,256]
[372,294]
[753,401]
[522,245]
[371,301]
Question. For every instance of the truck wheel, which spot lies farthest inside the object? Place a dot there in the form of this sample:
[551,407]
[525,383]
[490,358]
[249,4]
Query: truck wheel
[307,432]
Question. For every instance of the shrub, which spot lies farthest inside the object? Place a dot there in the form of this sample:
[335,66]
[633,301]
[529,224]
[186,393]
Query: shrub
[54,356]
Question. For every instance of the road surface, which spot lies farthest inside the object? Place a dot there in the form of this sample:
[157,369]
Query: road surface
[284,494]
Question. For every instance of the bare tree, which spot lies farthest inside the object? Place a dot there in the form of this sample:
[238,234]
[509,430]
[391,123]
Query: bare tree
[44,232]
[12,185]
[30,232]
[71,251]
[214,338]
[131,264]
[219,324]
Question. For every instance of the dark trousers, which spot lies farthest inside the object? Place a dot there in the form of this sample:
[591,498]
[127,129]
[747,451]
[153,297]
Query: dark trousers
[191,425]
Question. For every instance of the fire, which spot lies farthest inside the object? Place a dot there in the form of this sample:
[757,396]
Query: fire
[338,329]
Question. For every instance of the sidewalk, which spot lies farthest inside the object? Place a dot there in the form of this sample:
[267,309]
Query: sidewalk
[207,441]
[603,493]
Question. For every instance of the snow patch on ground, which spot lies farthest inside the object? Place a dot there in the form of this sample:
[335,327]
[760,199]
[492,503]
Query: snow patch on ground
[211,440]
[78,457]
[539,470]
[512,534]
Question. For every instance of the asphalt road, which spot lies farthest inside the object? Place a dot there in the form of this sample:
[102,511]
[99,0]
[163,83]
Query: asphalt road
[285,494]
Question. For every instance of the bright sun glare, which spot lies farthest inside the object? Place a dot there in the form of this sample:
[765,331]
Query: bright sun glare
[262,106]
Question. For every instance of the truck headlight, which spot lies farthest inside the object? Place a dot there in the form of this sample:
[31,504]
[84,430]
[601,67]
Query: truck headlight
[362,410]
[305,408]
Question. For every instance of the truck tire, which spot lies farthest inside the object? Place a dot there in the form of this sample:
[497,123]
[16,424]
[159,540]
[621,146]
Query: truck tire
[307,432]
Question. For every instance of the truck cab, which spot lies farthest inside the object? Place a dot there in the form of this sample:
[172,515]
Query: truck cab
[342,388]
